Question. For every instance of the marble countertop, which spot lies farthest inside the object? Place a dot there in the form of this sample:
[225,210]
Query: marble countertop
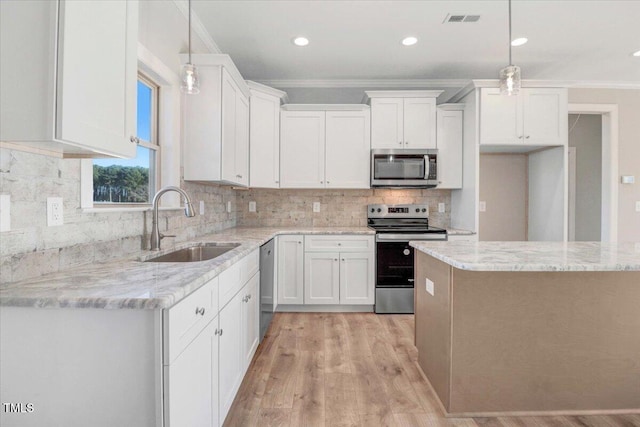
[459,232]
[535,256]
[132,284]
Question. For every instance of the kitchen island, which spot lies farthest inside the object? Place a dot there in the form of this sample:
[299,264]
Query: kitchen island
[529,327]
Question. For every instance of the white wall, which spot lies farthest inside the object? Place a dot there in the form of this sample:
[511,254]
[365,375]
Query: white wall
[586,136]
[628,102]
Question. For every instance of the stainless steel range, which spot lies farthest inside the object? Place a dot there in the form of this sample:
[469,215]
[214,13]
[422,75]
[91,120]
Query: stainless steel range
[395,226]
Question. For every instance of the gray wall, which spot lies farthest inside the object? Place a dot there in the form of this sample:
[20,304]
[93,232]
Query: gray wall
[586,136]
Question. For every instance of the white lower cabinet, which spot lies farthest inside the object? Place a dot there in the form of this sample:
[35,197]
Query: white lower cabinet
[290,269]
[230,353]
[326,269]
[203,375]
[321,278]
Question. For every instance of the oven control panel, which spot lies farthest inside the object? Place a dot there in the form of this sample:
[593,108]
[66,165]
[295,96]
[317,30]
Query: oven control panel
[397,211]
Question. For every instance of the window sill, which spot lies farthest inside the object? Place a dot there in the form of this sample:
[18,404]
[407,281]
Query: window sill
[130,209]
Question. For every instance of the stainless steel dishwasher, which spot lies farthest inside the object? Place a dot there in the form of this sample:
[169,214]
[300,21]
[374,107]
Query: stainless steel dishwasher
[267,302]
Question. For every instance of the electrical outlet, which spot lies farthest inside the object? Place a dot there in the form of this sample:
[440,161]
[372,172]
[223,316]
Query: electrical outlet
[638,206]
[228,207]
[441,207]
[316,207]
[482,206]
[55,214]
[429,287]
[5,212]
[201,207]
[252,206]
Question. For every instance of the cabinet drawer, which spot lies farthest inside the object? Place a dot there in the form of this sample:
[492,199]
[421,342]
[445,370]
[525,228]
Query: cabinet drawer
[339,243]
[184,321]
[235,277]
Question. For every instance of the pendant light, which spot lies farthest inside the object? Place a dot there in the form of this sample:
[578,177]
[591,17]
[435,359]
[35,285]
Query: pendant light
[510,76]
[190,83]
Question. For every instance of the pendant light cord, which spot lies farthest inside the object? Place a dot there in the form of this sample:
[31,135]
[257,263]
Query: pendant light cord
[190,32]
[510,62]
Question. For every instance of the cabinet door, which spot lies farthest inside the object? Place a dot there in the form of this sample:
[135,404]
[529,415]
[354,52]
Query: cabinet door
[419,123]
[387,123]
[302,149]
[321,278]
[190,381]
[357,285]
[500,118]
[250,320]
[230,339]
[264,141]
[290,269]
[230,95]
[242,141]
[348,145]
[545,116]
[449,149]
[97,75]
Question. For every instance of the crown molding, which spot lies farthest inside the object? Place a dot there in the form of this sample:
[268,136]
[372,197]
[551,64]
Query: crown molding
[197,26]
[218,60]
[366,83]
[258,87]
[325,107]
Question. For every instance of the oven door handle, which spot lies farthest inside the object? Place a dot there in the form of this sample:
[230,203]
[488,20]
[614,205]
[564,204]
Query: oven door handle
[401,237]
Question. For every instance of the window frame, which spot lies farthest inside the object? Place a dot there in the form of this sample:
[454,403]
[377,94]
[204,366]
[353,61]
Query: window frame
[168,136]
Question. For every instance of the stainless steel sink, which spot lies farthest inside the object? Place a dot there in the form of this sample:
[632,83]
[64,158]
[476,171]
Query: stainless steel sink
[200,252]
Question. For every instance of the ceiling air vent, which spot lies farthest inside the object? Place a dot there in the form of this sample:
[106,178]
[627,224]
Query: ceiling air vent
[461,18]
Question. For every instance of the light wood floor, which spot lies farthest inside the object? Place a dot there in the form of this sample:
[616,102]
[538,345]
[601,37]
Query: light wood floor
[355,369]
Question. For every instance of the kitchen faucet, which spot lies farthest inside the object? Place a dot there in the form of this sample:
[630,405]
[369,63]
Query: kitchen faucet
[189,212]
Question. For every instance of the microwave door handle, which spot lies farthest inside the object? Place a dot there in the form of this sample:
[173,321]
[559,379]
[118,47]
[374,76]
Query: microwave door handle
[427,166]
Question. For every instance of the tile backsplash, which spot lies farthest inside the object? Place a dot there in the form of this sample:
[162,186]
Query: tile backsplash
[32,248]
[337,207]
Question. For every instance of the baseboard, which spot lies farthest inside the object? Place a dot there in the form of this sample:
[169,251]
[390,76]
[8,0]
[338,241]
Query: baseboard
[290,308]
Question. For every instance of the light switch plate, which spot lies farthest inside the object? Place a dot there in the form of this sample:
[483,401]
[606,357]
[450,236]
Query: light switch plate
[5,212]
[55,209]
[252,206]
[316,207]
[201,207]
[482,206]
[430,287]
[441,207]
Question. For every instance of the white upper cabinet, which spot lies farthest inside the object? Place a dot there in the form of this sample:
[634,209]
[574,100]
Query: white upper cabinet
[68,73]
[325,149]
[348,145]
[537,116]
[450,125]
[302,149]
[264,136]
[217,124]
[403,119]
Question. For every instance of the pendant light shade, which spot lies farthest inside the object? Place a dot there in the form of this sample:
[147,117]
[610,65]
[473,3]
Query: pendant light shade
[190,83]
[510,81]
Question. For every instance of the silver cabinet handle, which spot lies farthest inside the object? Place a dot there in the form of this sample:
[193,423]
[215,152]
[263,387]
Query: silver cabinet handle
[200,311]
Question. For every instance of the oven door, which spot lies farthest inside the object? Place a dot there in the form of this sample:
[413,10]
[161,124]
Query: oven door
[394,264]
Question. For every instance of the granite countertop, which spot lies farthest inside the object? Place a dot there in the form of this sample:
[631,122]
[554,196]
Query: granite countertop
[459,232]
[131,284]
[535,256]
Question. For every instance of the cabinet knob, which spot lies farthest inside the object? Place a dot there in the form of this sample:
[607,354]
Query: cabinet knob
[277,182]
[342,259]
[216,332]
[238,176]
[339,244]
[200,311]
[406,142]
[335,259]
[321,182]
[328,182]
[520,137]
[400,142]
[134,139]
[528,136]
[221,331]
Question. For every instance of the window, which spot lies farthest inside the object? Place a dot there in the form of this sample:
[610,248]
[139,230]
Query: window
[132,181]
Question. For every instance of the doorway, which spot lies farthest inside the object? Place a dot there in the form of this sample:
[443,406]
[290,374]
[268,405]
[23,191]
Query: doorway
[592,169]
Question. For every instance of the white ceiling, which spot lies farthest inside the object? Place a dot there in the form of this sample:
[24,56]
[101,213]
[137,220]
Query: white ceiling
[569,40]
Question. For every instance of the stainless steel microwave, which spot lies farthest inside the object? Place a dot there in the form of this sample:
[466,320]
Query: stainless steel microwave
[404,168]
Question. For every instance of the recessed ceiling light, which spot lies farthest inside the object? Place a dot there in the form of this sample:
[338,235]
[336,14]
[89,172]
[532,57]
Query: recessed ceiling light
[519,41]
[636,53]
[301,41]
[409,41]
